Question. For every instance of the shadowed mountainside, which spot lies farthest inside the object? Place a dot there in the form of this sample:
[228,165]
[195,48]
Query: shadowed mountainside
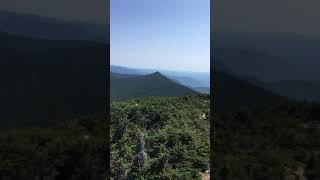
[284,63]
[155,84]
[43,80]
[232,94]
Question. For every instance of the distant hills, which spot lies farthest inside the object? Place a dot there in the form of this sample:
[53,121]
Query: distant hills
[136,86]
[289,56]
[33,26]
[127,70]
[230,92]
[203,90]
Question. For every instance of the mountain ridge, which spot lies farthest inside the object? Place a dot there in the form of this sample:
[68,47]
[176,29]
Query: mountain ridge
[189,79]
[231,93]
[154,84]
[35,26]
[41,84]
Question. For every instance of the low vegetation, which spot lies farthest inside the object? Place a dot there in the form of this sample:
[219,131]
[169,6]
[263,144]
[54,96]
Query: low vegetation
[271,142]
[160,138]
[151,138]
[74,149]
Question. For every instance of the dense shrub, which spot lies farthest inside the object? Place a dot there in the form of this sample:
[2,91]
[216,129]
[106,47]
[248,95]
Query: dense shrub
[168,136]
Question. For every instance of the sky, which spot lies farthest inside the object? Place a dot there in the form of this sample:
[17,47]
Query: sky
[160,34]
[293,16]
[93,11]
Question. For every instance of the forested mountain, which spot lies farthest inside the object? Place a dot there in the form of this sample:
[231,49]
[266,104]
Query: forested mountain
[44,80]
[155,84]
[186,78]
[160,138]
[232,94]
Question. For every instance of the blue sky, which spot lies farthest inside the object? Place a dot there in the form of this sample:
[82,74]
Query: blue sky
[161,34]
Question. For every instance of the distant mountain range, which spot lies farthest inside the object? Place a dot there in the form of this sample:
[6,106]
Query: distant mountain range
[229,92]
[33,26]
[199,81]
[135,86]
[47,55]
[203,90]
[269,56]
[284,63]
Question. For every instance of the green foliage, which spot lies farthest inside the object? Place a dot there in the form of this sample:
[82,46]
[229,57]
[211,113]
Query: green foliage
[71,150]
[267,142]
[175,137]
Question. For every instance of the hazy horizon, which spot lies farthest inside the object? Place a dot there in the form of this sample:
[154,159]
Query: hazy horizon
[142,35]
[71,10]
[159,69]
[287,16]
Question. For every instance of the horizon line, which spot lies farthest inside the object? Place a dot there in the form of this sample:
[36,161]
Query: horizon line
[54,18]
[160,69]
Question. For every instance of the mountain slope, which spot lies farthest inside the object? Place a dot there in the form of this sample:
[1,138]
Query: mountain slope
[232,94]
[252,63]
[154,84]
[300,90]
[256,68]
[44,80]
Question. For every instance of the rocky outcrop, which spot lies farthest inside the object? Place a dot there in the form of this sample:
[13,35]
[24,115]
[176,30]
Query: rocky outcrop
[141,154]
